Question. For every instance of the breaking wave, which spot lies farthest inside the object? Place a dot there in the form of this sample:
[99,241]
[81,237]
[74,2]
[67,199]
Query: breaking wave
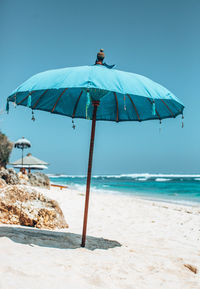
[162,180]
[183,188]
[137,177]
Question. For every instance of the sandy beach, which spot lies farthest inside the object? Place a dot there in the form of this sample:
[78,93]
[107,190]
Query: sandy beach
[132,243]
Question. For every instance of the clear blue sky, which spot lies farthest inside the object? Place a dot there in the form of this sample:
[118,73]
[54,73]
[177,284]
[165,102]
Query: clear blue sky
[157,38]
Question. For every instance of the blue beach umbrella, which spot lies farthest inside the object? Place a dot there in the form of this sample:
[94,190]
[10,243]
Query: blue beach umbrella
[97,92]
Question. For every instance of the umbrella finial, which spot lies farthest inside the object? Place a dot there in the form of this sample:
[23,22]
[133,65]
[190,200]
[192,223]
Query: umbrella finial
[100,57]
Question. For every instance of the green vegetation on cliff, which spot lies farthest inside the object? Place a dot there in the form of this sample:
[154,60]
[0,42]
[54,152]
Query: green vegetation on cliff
[5,150]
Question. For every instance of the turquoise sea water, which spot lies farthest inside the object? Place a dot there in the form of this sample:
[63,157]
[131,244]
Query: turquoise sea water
[183,189]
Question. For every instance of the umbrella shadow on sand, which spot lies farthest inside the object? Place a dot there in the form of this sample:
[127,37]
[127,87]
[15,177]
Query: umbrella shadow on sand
[52,239]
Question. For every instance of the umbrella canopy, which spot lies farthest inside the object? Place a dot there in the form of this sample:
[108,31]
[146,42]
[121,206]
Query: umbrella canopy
[97,92]
[22,143]
[123,96]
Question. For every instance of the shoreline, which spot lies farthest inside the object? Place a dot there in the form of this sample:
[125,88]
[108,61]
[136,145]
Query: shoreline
[185,203]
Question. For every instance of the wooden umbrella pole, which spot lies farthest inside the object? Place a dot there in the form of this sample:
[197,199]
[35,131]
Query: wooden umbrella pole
[95,104]
[22,159]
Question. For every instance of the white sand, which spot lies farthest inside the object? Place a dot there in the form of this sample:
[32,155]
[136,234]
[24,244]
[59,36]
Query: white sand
[132,244]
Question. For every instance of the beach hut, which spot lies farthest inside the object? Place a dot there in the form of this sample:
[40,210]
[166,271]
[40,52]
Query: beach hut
[31,163]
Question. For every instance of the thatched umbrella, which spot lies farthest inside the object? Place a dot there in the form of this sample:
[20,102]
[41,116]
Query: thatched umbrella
[22,144]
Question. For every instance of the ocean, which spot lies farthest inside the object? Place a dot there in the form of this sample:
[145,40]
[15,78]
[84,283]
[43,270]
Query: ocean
[174,188]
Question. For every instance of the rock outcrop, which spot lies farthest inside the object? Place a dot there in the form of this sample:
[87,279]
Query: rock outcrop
[39,180]
[9,176]
[2,183]
[24,206]
[33,179]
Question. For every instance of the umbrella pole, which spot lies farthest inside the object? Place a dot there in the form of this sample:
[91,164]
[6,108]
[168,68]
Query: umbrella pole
[95,104]
[22,160]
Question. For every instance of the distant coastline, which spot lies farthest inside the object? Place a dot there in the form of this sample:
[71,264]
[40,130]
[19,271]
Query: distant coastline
[181,189]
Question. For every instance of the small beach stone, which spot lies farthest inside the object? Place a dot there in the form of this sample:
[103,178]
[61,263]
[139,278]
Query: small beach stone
[191,268]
